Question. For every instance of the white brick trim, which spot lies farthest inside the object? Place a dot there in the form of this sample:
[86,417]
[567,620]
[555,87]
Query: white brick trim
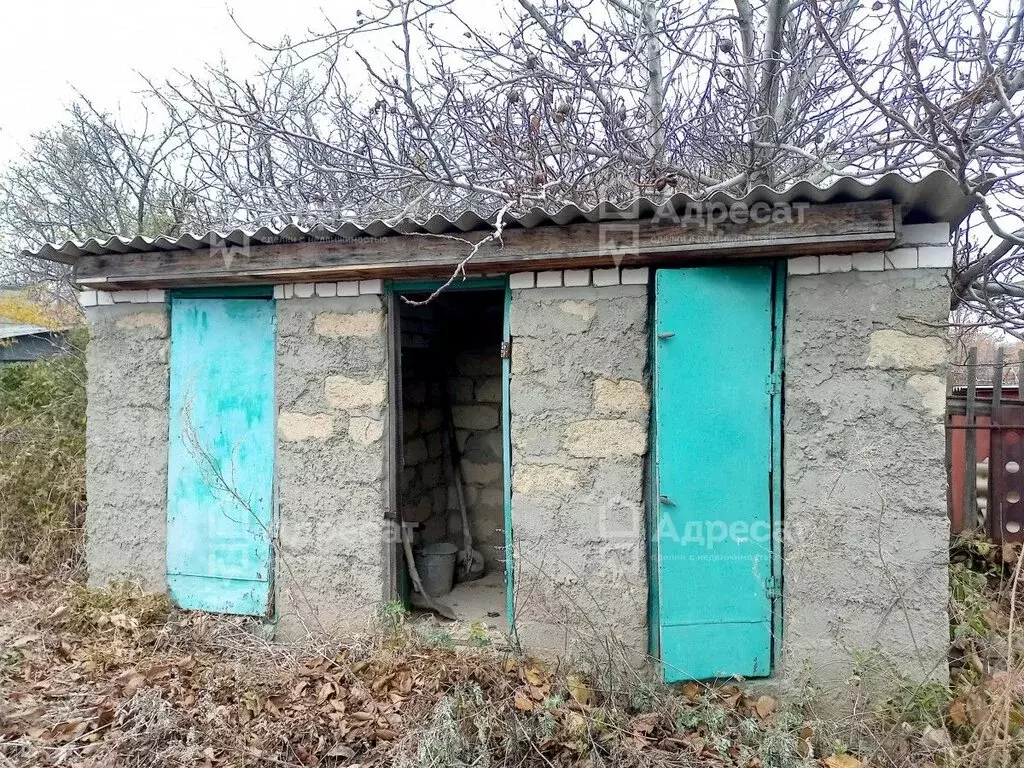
[350,288]
[549,279]
[90,298]
[603,277]
[935,257]
[837,262]
[924,234]
[910,257]
[576,278]
[636,276]
[328,290]
[519,280]
[802,265]
[868,262]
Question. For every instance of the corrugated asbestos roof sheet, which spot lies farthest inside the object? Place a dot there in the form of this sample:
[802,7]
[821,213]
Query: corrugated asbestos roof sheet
[937,197]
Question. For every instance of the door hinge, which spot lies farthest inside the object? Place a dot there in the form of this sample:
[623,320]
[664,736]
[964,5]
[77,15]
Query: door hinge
[772,588]
[773,384]
[506,350]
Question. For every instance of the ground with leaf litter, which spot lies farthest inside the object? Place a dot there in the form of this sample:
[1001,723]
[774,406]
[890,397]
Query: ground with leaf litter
[92,679]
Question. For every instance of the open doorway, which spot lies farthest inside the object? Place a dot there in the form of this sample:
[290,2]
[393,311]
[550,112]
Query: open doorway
[451,486]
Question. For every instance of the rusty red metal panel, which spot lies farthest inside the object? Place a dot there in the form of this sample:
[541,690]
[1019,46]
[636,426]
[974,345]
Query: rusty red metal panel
[1006,467]
[956,479]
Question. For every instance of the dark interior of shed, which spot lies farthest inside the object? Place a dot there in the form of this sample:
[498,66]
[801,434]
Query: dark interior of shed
[451,488]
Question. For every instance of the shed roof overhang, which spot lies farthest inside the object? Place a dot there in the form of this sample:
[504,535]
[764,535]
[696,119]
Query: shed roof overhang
[846,217]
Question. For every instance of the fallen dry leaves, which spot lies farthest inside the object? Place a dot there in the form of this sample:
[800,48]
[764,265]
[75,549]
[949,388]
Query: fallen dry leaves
[110,681]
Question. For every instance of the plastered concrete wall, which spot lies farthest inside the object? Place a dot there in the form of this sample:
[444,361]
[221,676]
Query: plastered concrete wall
[580,406]
[866,533]
[126,444]
[332,488]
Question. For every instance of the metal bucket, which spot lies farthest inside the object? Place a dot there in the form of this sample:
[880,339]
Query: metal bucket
[436,565]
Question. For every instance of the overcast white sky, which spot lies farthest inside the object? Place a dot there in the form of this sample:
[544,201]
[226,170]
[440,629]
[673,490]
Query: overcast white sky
[50,47]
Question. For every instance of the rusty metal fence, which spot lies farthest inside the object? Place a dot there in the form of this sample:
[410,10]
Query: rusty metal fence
[985,449]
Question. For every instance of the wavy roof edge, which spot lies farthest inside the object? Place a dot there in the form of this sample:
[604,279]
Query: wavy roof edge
[935,197]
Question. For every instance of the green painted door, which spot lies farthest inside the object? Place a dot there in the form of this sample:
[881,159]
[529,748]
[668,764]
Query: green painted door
[714,384]
[221,454]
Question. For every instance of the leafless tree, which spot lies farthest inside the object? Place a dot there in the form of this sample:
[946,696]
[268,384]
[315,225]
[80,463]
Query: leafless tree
[409,108]
[414,109]
[949,93]
[90,176]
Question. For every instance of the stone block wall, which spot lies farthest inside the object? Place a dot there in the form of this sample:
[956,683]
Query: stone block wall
[424,491]
[126,443]
[475,390]
[866,531]
[332,486]
[580,410]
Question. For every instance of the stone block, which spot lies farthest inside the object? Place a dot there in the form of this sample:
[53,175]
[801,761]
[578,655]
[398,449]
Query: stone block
[621,397]
[348,288]
[835,262]
[326,290]
[414,452]
[104,298]
[544,480]
[488,390]
[549,279]
[935,257]
[603,277]
[606,438]
[924,234]
[365,431]
[346,393]
[481,474]
[900,351]
[576,277]
[373,287]
[475,417]
[635,276]
[336,324]
[477,364]
[430,419]
[901,258]
[519,280]
[304,290]
[156,296]
[868,262]
[584,310]
[87,298]
[293,426]
[462,389]
[802,265]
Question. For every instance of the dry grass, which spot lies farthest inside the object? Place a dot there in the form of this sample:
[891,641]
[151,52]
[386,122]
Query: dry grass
[42,458]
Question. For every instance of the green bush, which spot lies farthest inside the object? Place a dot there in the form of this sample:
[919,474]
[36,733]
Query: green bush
[42,458]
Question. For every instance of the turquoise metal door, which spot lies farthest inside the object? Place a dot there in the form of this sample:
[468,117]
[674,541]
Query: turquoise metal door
[221,454]
[714,385]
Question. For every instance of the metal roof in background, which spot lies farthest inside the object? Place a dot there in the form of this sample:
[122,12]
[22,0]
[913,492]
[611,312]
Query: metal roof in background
[936,197]
[16,330]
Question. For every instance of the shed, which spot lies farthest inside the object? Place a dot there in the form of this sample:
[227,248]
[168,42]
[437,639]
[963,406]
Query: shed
[22,343]
[708,433]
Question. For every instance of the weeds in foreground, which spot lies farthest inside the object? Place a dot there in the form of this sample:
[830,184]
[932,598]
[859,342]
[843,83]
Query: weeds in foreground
[42,458]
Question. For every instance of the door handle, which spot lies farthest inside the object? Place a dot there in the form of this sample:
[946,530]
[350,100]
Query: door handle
[667,501]
[666,335]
